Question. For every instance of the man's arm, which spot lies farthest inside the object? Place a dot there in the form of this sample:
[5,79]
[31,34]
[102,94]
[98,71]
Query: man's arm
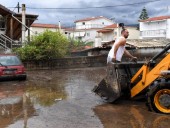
[127,53]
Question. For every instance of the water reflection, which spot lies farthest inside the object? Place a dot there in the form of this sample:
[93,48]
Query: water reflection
[18,99]
[161,122]
[14,108]
[46,88]
[130,115]
[45,95]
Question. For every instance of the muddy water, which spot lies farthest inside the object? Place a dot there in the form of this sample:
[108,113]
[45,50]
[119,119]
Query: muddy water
[63,99]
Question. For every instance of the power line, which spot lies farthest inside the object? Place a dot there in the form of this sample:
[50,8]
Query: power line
[100,6]
[96,7]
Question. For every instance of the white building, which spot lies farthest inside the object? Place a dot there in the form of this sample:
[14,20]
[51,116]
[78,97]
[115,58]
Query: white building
[86,29]
[155,27]
[37,28]
[111,32]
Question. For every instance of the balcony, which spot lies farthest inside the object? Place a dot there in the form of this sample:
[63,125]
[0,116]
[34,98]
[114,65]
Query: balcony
[89,26]
[153,33]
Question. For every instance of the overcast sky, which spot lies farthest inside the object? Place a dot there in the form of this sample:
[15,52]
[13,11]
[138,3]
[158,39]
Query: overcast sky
[67,11]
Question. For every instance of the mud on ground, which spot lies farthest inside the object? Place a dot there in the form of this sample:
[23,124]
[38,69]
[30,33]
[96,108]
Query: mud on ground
[63,99]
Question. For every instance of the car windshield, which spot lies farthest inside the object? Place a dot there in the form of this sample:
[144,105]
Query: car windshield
[9,60]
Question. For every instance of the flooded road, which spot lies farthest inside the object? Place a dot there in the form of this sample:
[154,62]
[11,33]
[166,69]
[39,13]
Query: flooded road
[63,99]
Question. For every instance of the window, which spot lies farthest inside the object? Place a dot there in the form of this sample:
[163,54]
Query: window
[102,22]
[79,38]
[83,23]
[141,33]
[115,33]
[87,34]
[2,23]
[10,60]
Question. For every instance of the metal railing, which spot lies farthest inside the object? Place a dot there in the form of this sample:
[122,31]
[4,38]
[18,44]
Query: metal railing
[7,43]
[153,33]
[89,26]
[4,46]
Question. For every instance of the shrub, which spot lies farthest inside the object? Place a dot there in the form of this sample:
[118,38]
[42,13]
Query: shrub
[47,45]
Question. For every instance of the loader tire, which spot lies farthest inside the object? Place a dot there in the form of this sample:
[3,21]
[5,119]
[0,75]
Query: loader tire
[158,97]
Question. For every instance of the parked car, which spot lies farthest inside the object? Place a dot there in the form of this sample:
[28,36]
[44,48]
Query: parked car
[11,68]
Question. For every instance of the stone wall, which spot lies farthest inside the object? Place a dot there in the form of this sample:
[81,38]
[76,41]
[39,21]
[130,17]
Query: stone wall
[64,63]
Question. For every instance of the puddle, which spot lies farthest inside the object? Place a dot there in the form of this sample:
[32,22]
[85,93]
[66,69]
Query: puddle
[130,114]
[47,96]
[63,99]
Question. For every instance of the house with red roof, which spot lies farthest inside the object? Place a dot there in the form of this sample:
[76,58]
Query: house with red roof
[111,32]
[155,27]
[37,28]
[86,29]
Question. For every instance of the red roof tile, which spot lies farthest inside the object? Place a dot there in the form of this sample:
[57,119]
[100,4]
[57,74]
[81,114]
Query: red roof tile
[90,18]
[44,25]
[87,47]
[108,28]
[105,30]
[69,29]
[156,18]
[112,26]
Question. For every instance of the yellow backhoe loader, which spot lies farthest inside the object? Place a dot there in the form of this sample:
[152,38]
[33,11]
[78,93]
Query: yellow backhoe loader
[150,79]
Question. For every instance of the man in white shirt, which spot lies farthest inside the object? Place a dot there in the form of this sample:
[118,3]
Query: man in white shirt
[118,48]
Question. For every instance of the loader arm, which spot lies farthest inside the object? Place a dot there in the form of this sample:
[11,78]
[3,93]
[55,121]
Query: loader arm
[151,79]
[149,76]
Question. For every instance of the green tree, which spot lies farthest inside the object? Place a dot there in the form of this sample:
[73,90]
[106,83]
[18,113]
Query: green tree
[47,45]
[144,14]
[76,44]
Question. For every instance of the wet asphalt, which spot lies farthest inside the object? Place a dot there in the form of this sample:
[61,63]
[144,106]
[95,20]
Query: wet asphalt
[63,99]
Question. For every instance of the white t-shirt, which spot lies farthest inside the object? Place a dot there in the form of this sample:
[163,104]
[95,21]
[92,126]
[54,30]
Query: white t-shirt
[119,53]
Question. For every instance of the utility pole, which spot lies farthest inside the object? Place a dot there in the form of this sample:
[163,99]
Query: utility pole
[18,7]
[23,23]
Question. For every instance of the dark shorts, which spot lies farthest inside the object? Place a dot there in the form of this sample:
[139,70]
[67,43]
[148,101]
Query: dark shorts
[116,61]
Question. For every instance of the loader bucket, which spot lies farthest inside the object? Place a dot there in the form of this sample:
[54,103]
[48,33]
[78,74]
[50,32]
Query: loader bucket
[105,91]
[117,81]
[108,89]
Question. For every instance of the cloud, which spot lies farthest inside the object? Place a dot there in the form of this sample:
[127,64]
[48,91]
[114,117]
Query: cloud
[128,14]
